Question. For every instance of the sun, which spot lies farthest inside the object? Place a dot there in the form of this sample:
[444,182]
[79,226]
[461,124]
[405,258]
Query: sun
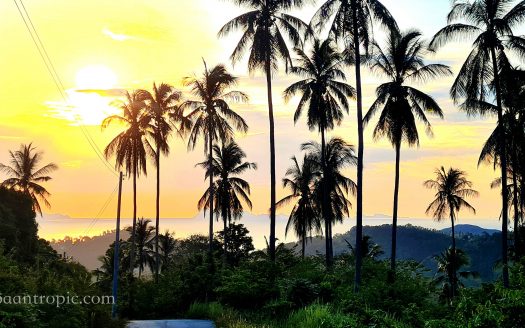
[96,77]
[90,101]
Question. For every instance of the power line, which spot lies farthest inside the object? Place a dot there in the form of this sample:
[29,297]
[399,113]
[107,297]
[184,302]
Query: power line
[57,81]
[100,212]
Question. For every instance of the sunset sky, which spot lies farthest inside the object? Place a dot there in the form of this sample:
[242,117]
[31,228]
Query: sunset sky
[129,44]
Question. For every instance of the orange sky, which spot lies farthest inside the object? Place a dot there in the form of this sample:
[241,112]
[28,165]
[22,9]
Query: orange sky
[129,44]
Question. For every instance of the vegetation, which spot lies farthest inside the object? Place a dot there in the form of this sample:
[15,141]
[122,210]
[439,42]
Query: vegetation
[221,276]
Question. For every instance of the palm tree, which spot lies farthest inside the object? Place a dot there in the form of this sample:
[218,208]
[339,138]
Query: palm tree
[212,116]
[402,62]
[512,83]
[162,103]
[352,21]
[167,246]
[490,23]
[338,155]
[263,28]
[304,217]
[144,237]
[229,191]
[324,98]
[449,264]
[131,147]
[452,189]
[25,176]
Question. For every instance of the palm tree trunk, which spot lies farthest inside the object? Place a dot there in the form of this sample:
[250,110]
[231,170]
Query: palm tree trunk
[394,215]
[225,220]
[359,196]
[454,276]
[272,160]
[157,217]
[134,225]
[324,205]
[517,241]
[503,157]
[210,164]
[303,243]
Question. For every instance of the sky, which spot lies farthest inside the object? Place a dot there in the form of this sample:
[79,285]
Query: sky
[109,46]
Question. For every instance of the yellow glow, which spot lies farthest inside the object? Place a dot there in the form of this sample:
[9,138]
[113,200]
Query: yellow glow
[96,77]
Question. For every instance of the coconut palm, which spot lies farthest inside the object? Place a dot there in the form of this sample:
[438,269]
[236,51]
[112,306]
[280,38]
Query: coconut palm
[229,191]
[212,117]
[325,98]
[131,146]
[167,246]
[338,155]
[25,175]
[402,62]
[264,28]
[304,217]
[513,97]
[162,103]
[452,189]
[449,264]
[490,23]
[352,21]
[144,237]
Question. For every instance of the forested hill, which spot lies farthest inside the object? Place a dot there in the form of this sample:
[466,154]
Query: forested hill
[421,244]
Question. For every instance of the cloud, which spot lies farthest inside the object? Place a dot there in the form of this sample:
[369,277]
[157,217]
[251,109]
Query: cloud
[116,36]
[104,92]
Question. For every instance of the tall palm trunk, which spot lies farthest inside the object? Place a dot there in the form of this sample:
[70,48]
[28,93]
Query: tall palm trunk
[324,207]
[272,160]
[517,241]
[225,223]
[210,163]
[157,217]
[454,275]
[392,275]
[359,196]
[503,156]
[303,242]
[134,225]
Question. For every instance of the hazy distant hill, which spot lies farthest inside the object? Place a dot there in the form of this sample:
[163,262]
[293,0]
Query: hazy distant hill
[463,229]
[421,244]
[414,242]
[87,250]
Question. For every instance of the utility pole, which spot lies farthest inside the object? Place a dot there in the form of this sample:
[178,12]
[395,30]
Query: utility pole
[117,252]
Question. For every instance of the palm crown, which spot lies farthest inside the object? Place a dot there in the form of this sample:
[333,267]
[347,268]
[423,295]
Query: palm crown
[264,29]
[491,24]
[323,95]
[230,191]
[26,176]
[402,62]
[130,147]
[452,187]
[211,114]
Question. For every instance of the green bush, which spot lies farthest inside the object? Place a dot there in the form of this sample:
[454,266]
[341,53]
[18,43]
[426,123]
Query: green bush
[320,316]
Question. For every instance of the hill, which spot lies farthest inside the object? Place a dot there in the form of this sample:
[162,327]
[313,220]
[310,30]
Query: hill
[414,243]
[421,244]
[465,229]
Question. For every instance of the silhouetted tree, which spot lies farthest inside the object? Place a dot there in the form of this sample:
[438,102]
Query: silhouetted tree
[352,21]
[131,147]
[452,189]
[212,117]
[304,217]
[490,23]
[25,175]
[325,99]
[402,62]
[263,28]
